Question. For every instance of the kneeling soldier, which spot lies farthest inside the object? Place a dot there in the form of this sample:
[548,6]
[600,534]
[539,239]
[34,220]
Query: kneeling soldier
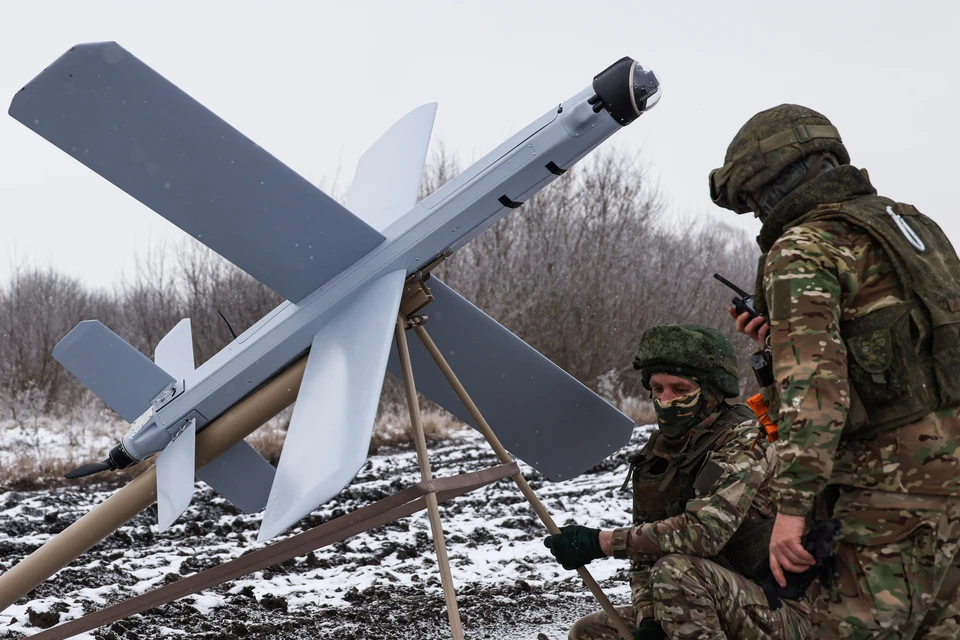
[702,508]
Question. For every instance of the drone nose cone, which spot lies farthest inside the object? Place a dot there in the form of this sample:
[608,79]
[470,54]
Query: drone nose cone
[646,89]
[626,90]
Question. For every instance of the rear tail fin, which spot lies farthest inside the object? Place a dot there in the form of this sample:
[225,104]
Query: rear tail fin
[174,353]
[242,476]
[117,373]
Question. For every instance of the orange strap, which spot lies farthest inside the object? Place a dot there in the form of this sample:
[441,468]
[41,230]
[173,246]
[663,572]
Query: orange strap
[759,407]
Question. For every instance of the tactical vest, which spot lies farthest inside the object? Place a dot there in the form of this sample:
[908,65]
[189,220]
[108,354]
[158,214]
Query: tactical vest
[903,361]
[662,488]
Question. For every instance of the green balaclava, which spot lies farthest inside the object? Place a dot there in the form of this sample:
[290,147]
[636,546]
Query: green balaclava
[677,416]
[699,354]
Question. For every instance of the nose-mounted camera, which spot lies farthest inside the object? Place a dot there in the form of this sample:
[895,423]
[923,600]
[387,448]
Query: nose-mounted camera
[626,90]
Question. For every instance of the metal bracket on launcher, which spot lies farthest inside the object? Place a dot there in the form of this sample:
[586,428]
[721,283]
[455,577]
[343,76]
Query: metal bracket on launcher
[416,294]
[163,398]
[180,425]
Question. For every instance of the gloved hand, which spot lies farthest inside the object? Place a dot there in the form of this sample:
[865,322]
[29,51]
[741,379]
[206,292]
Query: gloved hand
[574,546]
[649,629]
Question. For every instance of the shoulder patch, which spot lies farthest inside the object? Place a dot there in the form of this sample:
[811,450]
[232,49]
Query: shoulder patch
[780,299]
[708,477]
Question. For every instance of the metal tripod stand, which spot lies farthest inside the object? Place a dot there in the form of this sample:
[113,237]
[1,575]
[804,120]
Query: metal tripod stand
[417,296]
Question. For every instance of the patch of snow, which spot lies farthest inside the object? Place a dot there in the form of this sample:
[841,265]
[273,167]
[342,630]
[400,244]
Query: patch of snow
[370,585]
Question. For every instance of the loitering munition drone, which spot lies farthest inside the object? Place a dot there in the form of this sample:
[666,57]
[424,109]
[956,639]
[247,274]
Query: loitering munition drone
[344,270]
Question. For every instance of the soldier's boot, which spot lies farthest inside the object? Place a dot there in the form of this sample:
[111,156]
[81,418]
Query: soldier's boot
[597,626]
[695,598]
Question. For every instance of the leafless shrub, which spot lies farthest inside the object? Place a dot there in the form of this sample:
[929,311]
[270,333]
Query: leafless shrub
[149,303]
[37,308]
[211,286]
[393,427]
[640,410]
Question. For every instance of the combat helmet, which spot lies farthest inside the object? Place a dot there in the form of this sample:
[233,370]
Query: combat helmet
[689,350]
[769,143]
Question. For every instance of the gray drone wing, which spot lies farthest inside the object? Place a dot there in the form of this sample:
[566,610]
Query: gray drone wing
[120,375]
[242,476]
[119,117]
[542,414]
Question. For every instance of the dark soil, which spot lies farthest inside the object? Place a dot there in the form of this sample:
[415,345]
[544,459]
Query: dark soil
[382,584]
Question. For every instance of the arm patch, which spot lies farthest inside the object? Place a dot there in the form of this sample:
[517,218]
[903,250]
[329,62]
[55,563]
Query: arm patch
[781,299]
[708,477]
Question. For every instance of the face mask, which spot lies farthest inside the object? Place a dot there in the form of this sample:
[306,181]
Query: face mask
[796,176]
[679,415]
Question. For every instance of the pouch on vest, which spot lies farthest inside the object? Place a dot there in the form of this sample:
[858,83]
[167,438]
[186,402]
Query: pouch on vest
[885,369]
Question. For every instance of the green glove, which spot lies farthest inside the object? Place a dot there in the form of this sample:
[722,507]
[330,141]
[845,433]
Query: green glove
[574,546]
[649,629]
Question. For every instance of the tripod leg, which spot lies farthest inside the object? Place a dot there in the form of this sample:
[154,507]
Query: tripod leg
[505,458]
[420,441]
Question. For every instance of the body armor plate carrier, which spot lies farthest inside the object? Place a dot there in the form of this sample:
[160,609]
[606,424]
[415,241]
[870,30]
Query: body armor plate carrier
[662,488]
[903,360]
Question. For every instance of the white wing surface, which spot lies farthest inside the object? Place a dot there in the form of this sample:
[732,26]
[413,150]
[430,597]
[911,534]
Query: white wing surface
[175,473]
[174,353]
[329,433]
[388,175]
[176,463]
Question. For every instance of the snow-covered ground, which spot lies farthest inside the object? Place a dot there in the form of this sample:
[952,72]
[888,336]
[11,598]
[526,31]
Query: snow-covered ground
[382,584]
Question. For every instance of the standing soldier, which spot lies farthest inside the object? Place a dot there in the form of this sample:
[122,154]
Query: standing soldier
[702,505]
[863,299]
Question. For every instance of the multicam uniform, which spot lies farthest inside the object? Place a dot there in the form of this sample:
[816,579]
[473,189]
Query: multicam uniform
[849,303]
[703,511]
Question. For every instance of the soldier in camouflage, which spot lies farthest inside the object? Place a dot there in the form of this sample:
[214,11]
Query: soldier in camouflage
[702,505]
[862,294]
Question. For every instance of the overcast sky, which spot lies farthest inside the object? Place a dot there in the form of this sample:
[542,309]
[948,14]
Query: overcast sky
[315,83]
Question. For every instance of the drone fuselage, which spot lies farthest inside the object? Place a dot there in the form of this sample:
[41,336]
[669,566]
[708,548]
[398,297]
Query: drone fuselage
[443,222]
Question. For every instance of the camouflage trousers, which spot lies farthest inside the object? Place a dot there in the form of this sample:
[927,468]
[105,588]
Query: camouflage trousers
[899,569]
[697,598]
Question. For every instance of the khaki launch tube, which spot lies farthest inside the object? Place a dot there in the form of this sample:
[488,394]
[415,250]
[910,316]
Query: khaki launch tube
[218,436]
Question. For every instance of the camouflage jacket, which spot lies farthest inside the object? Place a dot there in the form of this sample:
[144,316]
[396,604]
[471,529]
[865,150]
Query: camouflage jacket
[817,275]
[708,522]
